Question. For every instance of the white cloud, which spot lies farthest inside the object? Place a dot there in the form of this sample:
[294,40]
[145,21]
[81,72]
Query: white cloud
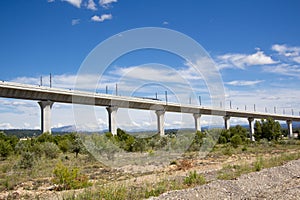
[244,83]
[75,22]
[165,23]
[76,3]
[284,69]
[106,3]
[297,59]
[101,18]
[243,60]
[91,5]
[6,126]
[286,50]
[50,1]
[292,53]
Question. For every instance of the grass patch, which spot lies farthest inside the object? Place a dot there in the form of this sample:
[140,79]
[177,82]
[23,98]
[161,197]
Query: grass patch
[230,172]
[194,179]
[117,191]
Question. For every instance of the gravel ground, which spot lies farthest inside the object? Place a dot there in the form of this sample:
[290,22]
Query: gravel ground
[281,182]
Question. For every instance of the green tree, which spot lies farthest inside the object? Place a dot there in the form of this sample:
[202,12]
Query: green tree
[236,140]
[77,145]
[240,131]
[64,145]
[7,144]
[5,148]
[268,129]
[197,141]
[258,131]
[45,137]
[224,136]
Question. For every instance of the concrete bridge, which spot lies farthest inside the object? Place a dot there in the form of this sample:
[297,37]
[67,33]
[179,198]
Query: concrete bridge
[47,96]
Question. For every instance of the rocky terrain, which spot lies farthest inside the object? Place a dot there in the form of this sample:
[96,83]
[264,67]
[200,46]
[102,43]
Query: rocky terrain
[281,182]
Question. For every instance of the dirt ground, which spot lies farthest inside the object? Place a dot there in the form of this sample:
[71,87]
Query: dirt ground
[281,182]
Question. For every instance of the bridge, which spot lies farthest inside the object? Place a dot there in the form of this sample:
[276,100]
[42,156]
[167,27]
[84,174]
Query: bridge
[47,96]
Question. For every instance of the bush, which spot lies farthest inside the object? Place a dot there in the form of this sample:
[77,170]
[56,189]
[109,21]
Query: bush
[69,178]
[27,160]
[258,165]
[64,145]
[227,151]
[197,141]
[22,146]
[77,145]
[45,137]
[50,150]
[222,140]
[194,179]
[235,141]
[5,148]
[37,150]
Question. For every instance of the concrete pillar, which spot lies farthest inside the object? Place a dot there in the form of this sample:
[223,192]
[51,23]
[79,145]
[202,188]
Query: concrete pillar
[251,128]
[227,122]
[160,122]
[290,128]
[112,115]
[197,117]
[45,115]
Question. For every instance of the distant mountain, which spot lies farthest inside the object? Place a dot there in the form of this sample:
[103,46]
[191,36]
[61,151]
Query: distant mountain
[65,129]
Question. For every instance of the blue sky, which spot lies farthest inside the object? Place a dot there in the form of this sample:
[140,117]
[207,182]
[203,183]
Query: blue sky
[255,45]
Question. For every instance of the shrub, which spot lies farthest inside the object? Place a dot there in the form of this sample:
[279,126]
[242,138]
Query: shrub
[225,134]
[197,141]
[69,178]
[64,145]
[222,140]
[50,150]
[235,141]
[258,165]
[27,160]
[5,148]
[45,137]
[227,151]
[22,146]
[194,179]
[77,145]
[37,150]
[240,131]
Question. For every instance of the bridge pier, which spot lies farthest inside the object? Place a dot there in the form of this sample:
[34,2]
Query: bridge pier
[112,122]
[197,117]
[46,107]
[227,122]
[160,122]
[289,124]
[251,128]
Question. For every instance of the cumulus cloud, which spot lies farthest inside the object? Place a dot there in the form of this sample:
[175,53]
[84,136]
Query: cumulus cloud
[107,3]
[101,18]
[91,5]
[290,52]
[244,60]
[76,3]
[244,83]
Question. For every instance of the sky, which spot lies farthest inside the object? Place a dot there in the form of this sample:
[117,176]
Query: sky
[254,44]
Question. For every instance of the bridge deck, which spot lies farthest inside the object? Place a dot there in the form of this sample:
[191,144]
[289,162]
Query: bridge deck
[40,93]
